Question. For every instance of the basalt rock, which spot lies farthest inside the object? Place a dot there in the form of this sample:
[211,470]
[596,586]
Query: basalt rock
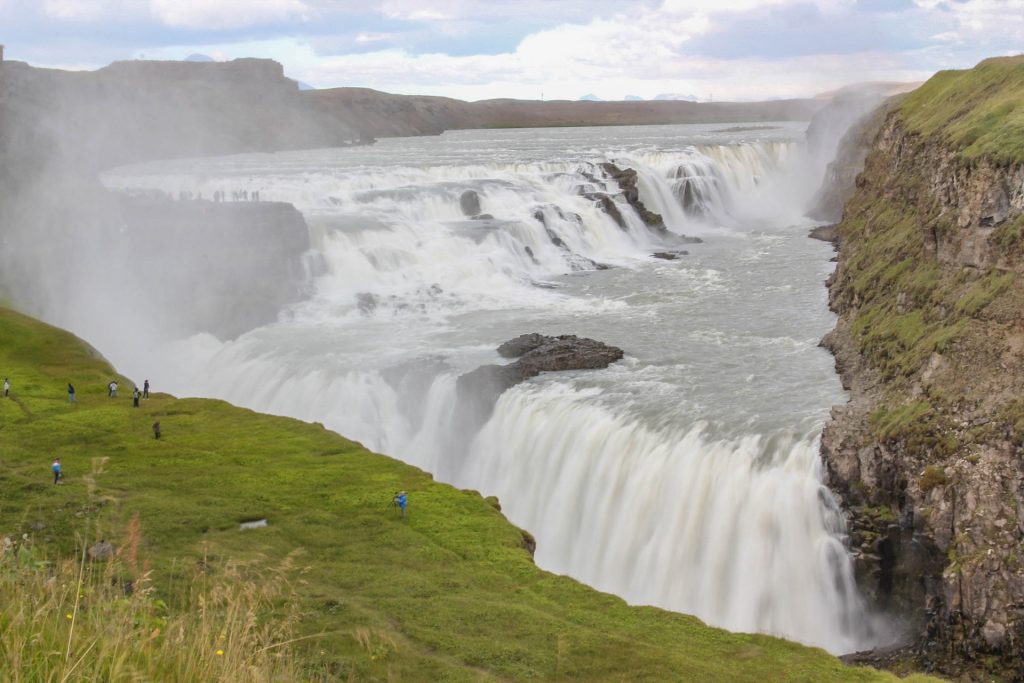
[479,389]
[626,179]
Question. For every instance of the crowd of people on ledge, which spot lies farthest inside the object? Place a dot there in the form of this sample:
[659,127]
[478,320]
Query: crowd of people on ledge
[221,196]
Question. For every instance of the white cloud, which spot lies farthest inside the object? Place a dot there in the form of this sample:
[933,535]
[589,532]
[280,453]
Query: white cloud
[641,52]
[91,10]
[363,38]
[609,47]
[221,14]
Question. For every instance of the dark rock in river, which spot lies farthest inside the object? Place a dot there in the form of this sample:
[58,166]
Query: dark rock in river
[479,389]
[626,179]
[608,205]
[524,343]
[470,203]
[669,255]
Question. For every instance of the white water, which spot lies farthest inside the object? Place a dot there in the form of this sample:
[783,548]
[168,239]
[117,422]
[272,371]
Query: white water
[687,475]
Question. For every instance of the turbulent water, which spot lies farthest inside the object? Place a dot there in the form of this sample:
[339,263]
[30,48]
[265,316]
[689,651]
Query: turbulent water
[685,476]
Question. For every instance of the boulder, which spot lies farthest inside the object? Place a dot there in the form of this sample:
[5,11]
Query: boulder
[101,552]
[478,390]
[514,348]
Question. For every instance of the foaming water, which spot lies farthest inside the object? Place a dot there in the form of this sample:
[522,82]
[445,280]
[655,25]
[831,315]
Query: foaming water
[687,475]
[728,530]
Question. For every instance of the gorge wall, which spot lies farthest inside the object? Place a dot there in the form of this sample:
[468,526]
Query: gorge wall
[928,455]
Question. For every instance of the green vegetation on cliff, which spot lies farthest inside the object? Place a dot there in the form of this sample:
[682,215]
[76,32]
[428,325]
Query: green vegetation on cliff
[929,289]
[979,111]
[911,305]
[447,594]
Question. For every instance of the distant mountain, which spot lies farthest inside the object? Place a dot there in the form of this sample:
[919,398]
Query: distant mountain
[305,86]
[676,97]
[632,98]
[196,57]
[591,98]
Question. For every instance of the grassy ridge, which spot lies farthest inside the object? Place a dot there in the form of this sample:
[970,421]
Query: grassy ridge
[448,594]
[978,111]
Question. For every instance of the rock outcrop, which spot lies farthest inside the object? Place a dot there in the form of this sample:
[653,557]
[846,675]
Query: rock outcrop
[928,455]
[626,179]
[479,389]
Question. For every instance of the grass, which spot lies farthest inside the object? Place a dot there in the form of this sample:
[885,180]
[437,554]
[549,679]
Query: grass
[74,620]
[448,594]
[979,111]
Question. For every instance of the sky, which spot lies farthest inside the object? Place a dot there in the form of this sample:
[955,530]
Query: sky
[532,49]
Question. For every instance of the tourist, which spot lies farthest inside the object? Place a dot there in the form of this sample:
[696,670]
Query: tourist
[156,430]
[401,500]
[7,387]
[71,392]
[112,390]
[135,397]
[145,389]
[58,474]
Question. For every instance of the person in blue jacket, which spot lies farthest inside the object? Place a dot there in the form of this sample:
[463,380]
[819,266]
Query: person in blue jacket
[57,473]
[401,500]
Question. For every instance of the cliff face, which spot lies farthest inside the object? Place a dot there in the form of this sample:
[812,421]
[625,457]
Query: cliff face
[136,111]
[69,247]
[928,455]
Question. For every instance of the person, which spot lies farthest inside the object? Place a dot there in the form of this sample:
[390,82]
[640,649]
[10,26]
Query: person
[401,500]
[112,390]
[156,429]
[7,387]
[71,392]
[57,473]
[145,389]
[135,397]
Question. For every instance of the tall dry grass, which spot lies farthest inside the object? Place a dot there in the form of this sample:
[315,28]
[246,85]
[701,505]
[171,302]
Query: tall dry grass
[78,620]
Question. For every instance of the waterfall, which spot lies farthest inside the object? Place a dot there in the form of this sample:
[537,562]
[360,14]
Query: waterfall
[663,505]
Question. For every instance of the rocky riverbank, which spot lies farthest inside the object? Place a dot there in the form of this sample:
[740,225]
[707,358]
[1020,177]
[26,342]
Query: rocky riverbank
[927,455]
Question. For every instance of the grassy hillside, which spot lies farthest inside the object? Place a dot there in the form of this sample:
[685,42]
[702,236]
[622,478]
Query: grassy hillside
[447,594]
[978,111]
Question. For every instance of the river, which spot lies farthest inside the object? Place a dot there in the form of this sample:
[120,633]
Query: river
[685,476]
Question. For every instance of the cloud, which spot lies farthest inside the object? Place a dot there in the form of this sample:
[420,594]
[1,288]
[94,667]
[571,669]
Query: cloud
[90,10]
[492,48]
[363,38]
[645,51]
[223,14]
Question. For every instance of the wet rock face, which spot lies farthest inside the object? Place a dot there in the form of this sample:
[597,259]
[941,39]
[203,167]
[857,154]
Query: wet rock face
[627,179]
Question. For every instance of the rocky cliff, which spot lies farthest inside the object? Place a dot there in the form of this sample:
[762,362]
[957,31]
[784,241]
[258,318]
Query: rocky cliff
[928,455]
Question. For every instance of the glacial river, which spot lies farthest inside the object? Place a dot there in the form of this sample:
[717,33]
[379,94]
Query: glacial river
[685,476]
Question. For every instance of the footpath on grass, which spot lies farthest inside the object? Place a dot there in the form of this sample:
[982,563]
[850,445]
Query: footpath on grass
[448,593]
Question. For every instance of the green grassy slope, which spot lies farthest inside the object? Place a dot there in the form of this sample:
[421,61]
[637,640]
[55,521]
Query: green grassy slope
[979,111]
[447,594]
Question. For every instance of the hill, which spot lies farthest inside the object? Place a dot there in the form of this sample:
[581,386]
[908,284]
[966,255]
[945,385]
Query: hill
[449,593]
